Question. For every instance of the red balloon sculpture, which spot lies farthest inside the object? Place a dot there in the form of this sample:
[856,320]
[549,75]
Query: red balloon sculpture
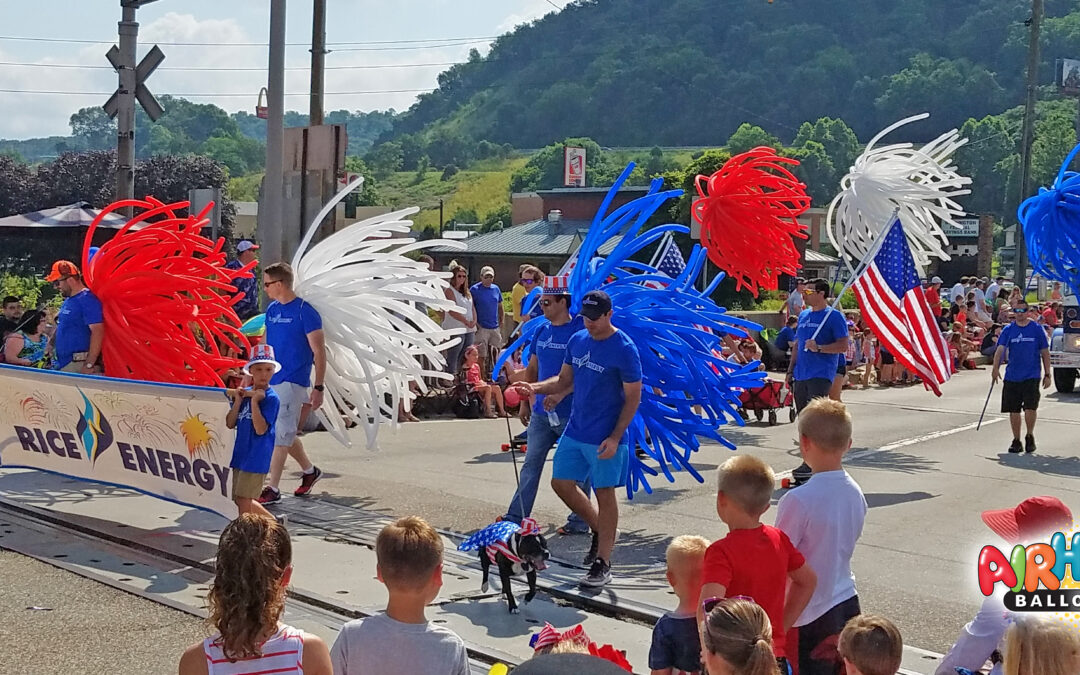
[748,212]
[167,297]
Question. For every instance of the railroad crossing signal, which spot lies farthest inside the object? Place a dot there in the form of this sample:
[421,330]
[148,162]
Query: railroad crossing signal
[149,63]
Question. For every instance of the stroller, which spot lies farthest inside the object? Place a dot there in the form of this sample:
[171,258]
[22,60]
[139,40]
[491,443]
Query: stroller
[770,397]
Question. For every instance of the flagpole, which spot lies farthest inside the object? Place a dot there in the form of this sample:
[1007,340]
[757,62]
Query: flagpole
[863,264]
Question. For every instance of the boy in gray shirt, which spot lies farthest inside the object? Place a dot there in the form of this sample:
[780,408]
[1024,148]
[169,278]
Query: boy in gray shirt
[401,640]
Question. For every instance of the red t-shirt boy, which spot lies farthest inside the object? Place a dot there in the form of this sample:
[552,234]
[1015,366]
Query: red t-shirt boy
[755,560]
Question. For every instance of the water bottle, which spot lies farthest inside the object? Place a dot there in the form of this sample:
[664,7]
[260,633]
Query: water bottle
[553,418]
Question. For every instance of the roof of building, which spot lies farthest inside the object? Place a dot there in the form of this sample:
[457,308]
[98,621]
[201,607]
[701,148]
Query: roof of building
[820,258]
[534,238]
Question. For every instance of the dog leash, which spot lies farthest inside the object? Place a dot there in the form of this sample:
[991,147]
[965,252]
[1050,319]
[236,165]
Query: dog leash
[513,457]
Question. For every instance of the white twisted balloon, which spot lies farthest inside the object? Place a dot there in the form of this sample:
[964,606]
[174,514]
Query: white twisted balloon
[919,185]
[366,292]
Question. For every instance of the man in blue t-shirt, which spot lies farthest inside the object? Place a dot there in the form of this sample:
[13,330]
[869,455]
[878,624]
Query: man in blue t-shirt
[821,341]
[603,370]
[488,300]
[786,336]
[246,287]
[294,330]
[1024,343]
[80,325]
[547,351]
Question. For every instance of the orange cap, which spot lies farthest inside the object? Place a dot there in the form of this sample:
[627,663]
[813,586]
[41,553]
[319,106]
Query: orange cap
[61,269]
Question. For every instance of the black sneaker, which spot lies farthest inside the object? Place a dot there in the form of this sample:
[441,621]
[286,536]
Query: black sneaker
[269,496]
[308,481]
[594,547]
[1016,448]
[801,474]
[1029,443]
[599,574]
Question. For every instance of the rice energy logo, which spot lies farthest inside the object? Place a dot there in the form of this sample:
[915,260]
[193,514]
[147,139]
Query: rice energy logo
[1040,577]
[93,429]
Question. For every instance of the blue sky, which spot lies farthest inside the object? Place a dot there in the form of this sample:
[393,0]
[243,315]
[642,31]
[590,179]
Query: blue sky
[429,24]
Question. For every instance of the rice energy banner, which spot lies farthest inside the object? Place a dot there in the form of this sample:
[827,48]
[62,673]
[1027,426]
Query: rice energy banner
[167,441]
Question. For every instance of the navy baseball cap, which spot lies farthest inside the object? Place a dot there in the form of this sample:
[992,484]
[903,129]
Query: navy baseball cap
[595,304]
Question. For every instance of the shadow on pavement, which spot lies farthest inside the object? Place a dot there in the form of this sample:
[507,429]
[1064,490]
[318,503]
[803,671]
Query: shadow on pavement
[877,499]
[1047,464]
[892,460]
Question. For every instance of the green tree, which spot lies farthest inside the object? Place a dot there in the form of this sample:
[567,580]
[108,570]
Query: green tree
[94,128]
[384,159]
[497,219]
[748,136]
[816,169]
[990,141]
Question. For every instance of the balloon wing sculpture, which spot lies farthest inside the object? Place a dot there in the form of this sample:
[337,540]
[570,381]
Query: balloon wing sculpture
[1051,222]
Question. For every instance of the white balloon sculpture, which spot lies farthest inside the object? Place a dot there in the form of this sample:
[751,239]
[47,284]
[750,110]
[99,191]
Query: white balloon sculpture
[367,293]
[920,186]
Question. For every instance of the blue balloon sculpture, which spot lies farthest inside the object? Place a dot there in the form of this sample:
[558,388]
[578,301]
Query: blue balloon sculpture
[1051,223]
[678,331]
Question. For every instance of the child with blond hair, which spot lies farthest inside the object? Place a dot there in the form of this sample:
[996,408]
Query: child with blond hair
[823,518]
[870,645]
[676,643]
[755,560]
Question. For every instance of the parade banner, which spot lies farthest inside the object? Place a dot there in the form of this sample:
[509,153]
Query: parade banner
[166,441]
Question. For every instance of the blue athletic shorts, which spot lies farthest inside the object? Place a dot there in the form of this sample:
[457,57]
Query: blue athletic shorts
[578,461]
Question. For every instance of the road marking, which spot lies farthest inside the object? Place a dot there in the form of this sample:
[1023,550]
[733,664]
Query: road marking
[906,442]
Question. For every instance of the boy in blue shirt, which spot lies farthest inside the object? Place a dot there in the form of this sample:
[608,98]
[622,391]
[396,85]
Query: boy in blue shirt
[254,413]
[1027,345]
[786,336]
[602,368]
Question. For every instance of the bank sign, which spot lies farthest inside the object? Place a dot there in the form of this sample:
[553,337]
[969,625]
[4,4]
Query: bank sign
[166,441]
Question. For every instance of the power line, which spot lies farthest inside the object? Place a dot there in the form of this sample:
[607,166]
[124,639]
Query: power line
[212,94]
[432,43]
[223,69]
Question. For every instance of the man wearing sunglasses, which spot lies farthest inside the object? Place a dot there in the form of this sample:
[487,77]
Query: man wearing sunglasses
[80,327]
[603,369]
[822,339]
[546,355]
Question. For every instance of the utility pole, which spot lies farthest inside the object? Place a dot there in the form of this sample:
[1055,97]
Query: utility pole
[318,62]
[1020,276]
[131,87]
[270,208]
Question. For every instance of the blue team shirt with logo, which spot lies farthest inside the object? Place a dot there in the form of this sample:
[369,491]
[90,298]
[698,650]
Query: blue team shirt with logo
[73,325]
[487,300]
[549,345]
[1024,345]
[252,451]
[600,369]
[814,365]
[287,328]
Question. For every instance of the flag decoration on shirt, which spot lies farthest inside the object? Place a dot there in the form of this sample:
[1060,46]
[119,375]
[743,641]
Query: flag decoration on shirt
[896,310]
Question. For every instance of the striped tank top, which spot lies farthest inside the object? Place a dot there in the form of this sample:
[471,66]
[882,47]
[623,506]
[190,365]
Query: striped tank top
[281,654]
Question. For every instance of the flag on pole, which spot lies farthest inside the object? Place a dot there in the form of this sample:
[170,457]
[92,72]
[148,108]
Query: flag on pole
[895,308]
[668,261]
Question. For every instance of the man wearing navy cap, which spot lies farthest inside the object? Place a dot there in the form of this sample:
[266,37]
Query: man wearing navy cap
[602,368]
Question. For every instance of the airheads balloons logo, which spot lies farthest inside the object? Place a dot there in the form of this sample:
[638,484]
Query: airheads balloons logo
[1040,577]
[93,429]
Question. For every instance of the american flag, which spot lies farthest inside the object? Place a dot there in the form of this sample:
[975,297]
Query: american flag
[493,538]
[895,308]
[668,260]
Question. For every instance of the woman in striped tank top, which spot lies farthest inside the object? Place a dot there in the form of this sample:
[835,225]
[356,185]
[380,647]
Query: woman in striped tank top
[246,600]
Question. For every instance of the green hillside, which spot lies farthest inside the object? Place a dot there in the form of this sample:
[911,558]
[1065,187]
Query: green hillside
[689,72]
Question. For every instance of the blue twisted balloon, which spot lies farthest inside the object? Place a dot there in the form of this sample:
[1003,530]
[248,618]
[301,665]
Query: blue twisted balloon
[1051,222]
[677,329]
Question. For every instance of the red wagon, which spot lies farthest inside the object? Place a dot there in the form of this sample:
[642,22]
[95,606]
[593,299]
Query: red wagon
[770,397]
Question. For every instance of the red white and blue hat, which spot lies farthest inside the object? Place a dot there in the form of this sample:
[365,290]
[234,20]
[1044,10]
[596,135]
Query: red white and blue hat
[262,353]
[557,285]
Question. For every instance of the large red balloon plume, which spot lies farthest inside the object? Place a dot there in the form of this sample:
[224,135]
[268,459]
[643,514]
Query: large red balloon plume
[167,297]
[748,212]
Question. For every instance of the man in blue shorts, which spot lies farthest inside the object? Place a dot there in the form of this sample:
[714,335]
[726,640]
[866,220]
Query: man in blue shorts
[1026,344]
[294,330]
[603,370]
[817,353]
[546,356]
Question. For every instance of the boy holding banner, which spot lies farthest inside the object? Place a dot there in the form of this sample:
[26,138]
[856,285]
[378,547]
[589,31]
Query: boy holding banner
[254,413]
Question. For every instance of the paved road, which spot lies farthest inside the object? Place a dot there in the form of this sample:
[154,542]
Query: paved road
[926,472]
[85,627]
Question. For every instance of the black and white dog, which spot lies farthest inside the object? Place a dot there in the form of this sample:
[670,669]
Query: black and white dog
[524,552]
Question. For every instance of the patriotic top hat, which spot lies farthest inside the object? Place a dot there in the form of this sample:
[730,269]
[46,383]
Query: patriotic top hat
[557,285]
[262,353]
